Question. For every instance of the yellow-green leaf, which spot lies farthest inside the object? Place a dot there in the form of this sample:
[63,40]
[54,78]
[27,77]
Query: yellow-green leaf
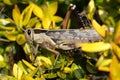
[37,10]
[117,33]
[17,72]
[67,70]
[41,60]
[11,36]
[116,49]
[38,25]
[20,39]
[28,64]
[52,8]
[27,48]
[98,28]
[115,69]
[91,9]
[46,23]
[32,22]
[22,67]
[103,64]
[8,2]
[26,14]
[94,47]
[16,15]
[57,18]
[4,21]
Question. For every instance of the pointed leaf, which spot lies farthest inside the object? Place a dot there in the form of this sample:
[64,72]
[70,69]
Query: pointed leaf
[37,10]
[115,69]
[16,15]
[57,18]
[28,64]
[26,14]
[52,8]
[94,47]
[41,60]
[38,25]
[103,64]
[4,21]
[17,72]
[46,23]
[117,33]
[32,22]
[98,28]
[116,49]
[91,9]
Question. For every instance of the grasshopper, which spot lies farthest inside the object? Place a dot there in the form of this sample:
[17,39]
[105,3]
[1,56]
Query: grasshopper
[63,39]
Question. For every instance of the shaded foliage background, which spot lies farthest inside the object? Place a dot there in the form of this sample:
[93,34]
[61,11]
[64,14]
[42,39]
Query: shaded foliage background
[16,56]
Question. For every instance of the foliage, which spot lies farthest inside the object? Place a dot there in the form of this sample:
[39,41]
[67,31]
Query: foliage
[99,60]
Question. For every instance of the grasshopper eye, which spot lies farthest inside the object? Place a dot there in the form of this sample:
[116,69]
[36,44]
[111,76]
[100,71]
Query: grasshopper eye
[29,32]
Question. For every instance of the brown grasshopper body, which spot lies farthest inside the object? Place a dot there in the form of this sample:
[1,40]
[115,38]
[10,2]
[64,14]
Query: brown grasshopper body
[63,39]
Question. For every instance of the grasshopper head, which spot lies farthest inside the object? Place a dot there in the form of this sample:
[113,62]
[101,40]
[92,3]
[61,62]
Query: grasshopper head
[29,33]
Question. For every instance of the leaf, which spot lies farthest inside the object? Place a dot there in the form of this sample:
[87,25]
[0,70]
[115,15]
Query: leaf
[52,8]
[103,64]
[90,67]
[49,75]
[26,14]
[17,72]
[28,64]
[115,69]
[37,10]
[31,74]
[8,2]
[98,28]
[32,22]
[41,60]
[38,25]
[57,18]
[27,48]
[61,75]
[67,70]
[16,15]
[91,9]
[11,36]
[20,39]
[94,47]
[27,77]
[78,71]
[4,21]
[117,33]
[116,49]
[46,23]
[22,67]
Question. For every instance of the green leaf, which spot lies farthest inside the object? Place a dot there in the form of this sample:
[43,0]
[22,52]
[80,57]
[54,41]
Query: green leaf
[103,64]
[49,75]
[26,14]
[90,67]
[61,75]
[77,71]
